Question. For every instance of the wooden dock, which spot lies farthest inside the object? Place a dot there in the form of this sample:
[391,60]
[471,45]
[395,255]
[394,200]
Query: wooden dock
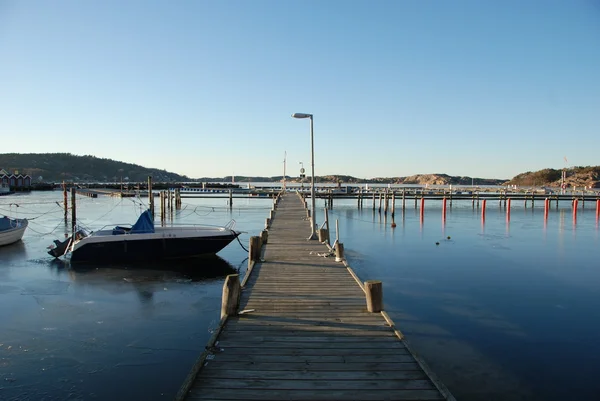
[303,331]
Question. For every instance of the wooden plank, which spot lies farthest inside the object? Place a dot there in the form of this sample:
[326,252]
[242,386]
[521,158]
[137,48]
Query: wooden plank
[287,374]
[229,356]
[301,384]
[330,345]
[300,395]
[218,365]
[245,351]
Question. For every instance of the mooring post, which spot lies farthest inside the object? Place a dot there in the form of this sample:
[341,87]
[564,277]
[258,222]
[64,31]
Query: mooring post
[230,300]
[230,199]
[65,202]
[327,226]
[339,252]
[322,234]
[380,202]
[150,197]
[403,198]
[264,236]
[374,295]
[393,204]
[254,249]
[386,202]
[267,223]
[373,201]
[73,210]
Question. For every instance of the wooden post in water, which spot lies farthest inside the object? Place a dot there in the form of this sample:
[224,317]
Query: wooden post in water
[450,198]
[380,202]
[73,210]
[415,198]
[65,202]
[422,207]
[403,198]
[230,300]
[322,234]
[386,202]
[254,249]
[230,199]
[374,295]
[358,197]
[150,197]
[162,205]
[267,223]
[508,209]
[393,204]
[597,209]
[327,226]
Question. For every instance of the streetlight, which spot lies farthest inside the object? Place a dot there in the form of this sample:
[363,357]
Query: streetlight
[313,234]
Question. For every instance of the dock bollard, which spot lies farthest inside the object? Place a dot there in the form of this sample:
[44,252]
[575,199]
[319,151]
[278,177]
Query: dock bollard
[323,234]
[264,236]
[254,249]
[339,252]
[268,223]
[374,294]
[231,295]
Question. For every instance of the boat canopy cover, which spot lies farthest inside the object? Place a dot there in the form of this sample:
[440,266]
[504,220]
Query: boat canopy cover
[145,224]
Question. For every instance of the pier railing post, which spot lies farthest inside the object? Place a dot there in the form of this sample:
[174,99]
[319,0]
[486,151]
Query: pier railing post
[231,295]
[339,252]
[254,249]
[264,236]
[374,295]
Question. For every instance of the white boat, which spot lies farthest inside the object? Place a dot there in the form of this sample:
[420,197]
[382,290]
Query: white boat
[144,241]
[11,230]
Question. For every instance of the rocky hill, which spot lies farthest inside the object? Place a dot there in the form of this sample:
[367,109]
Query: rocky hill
[576,177]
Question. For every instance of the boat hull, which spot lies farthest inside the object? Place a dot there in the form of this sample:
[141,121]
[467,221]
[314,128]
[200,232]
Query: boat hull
[13,235]
[127,250]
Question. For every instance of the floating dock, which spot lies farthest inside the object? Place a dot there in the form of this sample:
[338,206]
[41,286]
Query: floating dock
[303,332]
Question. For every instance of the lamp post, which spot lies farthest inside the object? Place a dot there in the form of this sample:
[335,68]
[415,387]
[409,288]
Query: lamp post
[313,234]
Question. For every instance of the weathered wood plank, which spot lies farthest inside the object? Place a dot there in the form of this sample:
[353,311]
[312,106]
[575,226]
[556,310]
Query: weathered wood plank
[218,365]
[302,384]
[296,374]
[300,395]
[314,359]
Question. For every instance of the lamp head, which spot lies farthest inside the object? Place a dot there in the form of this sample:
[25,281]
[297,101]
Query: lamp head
[301,115]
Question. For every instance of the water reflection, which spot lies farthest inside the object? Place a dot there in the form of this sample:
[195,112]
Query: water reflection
[181,270]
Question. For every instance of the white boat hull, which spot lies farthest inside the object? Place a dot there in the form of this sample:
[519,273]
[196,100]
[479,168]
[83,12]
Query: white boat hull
[13,235]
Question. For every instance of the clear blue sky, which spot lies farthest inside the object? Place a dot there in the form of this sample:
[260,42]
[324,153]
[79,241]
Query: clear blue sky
[206,88]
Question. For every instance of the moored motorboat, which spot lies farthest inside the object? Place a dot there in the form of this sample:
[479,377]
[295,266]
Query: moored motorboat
[144,241]
[11,230]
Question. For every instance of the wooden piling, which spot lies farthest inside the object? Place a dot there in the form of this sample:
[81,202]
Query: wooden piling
[327,226]
[373,201]
[374,295]
[267,223]
[380,202]
[403,199]
[254,249]
[230,199]
[73,210]
[264,236]
[386,202]
[508,209]
[65,202]
[444,208]
[339,252]
[150,197]
[322,233]
[393,204]
[230,300]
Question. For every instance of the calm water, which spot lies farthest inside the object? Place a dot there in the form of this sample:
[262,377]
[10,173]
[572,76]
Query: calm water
[500,311]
